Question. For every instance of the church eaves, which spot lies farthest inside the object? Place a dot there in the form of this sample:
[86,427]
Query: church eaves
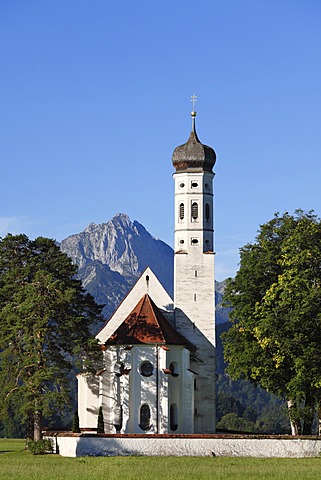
[146,324]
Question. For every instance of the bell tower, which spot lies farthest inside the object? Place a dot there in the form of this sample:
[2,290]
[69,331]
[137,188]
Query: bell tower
[194,289]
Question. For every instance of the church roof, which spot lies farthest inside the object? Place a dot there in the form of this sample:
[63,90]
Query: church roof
[146,324]
[193,155]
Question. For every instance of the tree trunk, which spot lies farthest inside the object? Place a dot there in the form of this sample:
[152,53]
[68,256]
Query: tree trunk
[37,426]
[309,412]
[295,422]
[30,427]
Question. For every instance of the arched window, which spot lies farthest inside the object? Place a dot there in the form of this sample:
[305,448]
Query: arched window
[144,417]
[181,211]
[173,417]
[174,369]
[146,369]
[194,210]
[207,212]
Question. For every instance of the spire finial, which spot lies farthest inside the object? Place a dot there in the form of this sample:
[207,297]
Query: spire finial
[193,112]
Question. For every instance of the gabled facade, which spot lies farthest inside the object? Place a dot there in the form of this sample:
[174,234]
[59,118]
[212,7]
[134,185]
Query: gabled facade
[146,385]
[159,355]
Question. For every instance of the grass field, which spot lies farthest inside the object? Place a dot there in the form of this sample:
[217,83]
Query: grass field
[16,463]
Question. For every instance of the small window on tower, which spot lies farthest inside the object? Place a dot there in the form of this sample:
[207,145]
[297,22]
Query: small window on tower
[207,186]
[194,211]
[182,185]
[181,211]
[181,241]
[207,212]
[194,241]
[194,184]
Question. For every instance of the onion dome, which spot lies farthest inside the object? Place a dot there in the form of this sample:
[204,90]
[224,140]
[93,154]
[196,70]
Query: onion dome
[193,155]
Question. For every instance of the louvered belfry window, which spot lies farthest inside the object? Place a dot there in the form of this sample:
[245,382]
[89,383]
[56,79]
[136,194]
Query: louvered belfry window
[194,210]
[181,211]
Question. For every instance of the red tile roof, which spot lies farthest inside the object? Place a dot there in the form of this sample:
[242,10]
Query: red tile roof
[146,324]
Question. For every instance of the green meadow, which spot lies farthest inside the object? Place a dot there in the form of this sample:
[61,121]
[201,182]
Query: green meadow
[17,463]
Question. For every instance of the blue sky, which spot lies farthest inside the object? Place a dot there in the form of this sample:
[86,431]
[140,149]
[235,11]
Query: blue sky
[95,97]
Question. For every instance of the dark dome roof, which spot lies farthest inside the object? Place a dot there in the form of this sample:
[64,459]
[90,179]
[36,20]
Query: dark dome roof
[193,155]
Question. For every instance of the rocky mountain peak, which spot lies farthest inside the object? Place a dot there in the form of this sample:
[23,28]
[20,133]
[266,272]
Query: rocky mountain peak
[120,250]
[112,255]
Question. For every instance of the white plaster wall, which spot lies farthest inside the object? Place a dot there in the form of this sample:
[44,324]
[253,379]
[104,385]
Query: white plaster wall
[194,292]
[88,401]
[163,392]
[201,447]
[195,319]
[144,387]
[132,390]
[181,390]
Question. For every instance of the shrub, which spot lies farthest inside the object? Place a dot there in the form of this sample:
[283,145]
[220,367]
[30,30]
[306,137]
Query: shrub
[100,421]
[40,447]
[75,423]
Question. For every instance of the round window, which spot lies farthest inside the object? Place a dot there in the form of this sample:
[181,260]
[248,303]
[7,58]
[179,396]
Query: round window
[146,369]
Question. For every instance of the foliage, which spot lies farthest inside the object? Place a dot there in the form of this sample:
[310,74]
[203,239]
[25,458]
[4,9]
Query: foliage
[275,339]
[45,316]
[40,447]
[100,421]
[254,410]
[18,464]
[75,423]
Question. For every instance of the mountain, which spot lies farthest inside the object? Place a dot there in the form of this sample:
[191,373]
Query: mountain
[111,256]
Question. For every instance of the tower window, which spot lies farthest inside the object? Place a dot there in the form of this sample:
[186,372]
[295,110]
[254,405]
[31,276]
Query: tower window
[144,417]
[194,184]
[181,241]
[207,212]
[146,369]
[182,185]
[173,417]
[194,241]
[181,211]
[207,186]
[194,210]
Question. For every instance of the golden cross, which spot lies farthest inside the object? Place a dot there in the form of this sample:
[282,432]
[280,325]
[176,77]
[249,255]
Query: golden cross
[193,100]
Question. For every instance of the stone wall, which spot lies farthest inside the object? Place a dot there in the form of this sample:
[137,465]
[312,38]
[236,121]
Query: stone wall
[73,445]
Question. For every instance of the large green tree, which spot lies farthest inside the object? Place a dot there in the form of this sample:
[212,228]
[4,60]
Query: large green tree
[45,319]
[275,337]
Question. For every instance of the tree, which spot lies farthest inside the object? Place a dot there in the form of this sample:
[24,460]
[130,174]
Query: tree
[45,319]
[75,423]
[275,338]
[100,421]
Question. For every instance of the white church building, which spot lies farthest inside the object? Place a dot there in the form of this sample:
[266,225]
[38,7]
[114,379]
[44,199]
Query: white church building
[159,352]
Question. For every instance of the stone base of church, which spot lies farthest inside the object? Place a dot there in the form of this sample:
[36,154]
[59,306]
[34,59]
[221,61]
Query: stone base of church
[86,444]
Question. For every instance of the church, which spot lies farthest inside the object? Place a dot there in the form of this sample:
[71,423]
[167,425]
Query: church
[158,352]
